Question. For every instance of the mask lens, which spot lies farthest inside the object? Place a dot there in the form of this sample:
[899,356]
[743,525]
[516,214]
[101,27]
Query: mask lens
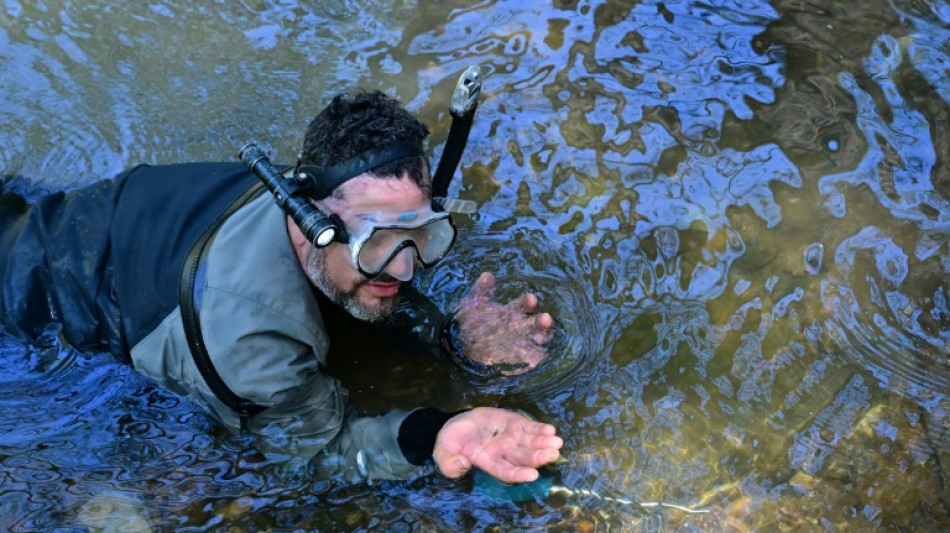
[434,240]
[431,240]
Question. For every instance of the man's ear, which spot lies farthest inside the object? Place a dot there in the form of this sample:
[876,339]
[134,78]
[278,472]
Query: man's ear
[299,241]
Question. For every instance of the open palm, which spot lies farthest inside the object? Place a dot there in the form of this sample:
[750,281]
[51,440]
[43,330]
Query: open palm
[507,445]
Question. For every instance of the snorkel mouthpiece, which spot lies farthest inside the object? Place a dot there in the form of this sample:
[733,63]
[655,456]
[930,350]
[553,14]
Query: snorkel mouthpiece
[467,91]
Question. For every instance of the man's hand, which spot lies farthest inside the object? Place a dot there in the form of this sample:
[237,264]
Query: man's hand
[492,333]
[508,446]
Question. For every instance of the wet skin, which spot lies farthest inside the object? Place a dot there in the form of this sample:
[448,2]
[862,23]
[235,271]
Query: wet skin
[512,334]
[506,445]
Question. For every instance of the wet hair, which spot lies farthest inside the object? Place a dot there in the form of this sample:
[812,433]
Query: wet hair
[353,123]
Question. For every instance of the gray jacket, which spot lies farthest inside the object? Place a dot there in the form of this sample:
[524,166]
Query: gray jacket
[263,330]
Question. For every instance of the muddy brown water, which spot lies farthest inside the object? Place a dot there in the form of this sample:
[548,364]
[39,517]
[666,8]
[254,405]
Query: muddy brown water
[737,211]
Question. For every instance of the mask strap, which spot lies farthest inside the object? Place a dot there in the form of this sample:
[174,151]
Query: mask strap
[322,180]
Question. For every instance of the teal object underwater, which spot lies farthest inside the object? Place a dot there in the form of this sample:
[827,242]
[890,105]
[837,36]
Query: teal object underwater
[489,487]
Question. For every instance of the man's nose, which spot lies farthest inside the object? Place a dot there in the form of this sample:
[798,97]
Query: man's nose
[401,267]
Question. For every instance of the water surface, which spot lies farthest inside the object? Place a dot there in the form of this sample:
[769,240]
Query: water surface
[738,212]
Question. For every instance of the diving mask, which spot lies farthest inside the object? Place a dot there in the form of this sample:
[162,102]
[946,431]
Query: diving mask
[374,244]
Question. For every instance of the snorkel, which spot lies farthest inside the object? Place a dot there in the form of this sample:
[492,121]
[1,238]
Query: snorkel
[294,193]
[462,108]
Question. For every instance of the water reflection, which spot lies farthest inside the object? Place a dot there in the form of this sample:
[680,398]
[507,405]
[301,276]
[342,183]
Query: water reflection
[738,212]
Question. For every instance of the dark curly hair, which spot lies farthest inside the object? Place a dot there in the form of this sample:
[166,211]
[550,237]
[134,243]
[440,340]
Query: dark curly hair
[352,124]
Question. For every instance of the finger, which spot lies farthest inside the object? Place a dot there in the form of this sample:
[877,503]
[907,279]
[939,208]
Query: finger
[545,321]
[506,472]
[523,475]
[481,293]
[544,457]
[533,458]
[530,428]
[454,466]
[528,303]
[543,325]
[541,442]
[484,287]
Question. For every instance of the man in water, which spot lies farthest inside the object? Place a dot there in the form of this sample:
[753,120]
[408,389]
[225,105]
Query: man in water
[205,285]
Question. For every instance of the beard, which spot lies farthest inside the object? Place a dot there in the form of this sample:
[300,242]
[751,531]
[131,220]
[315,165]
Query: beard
[347,299]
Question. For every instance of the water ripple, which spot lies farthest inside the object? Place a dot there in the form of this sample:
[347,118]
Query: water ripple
[526,261]
[894,340]
[736,210]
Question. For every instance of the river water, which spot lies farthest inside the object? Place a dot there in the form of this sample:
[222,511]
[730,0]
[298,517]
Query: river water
[738,212]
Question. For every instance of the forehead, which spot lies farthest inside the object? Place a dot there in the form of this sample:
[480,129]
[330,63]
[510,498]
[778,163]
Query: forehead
[367,194]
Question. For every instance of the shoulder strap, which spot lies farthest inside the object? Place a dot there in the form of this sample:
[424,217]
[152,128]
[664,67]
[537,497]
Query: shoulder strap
[189,315]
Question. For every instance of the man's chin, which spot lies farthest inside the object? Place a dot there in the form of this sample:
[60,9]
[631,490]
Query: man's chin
[369,300]
[371,305]
[378,311]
